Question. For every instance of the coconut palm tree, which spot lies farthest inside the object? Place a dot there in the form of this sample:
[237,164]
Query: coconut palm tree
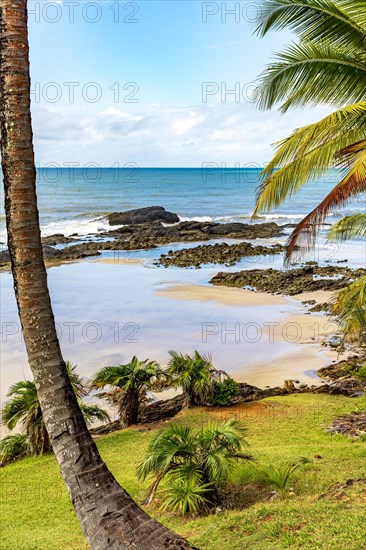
[133,379]
[107,514]
[327,66]
[194,463]
[195,374]
[24,408]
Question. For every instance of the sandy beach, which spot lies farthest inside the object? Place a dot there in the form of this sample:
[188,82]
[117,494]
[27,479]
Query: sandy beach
[306,330]
[109,310]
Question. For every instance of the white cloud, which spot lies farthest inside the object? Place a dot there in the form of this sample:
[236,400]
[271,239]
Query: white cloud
[162,135]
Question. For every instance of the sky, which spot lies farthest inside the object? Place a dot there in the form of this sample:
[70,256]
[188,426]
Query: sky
[152,82]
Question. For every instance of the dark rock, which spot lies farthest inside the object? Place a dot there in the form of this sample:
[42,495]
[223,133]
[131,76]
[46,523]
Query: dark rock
[74,252]
[142,215]
[161,410]
[191,231]
[57,238]
[341,375]
[294,281]
[220,253]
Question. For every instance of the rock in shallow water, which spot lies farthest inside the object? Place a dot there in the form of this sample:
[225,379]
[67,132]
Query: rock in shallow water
[294,281]
[142,215]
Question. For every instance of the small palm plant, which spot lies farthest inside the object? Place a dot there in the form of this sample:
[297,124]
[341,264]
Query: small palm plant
[24,408]
[195,374]
[134,379]
[279,477]
[13,447]
[194,463]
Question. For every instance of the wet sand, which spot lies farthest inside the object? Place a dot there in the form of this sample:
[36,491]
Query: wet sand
[306,331]
[223,295]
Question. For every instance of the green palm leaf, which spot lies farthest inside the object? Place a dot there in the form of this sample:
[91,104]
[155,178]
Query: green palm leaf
[348,228]
[309,153]
[310,73]
[193,462]
[350,306]
[342,22]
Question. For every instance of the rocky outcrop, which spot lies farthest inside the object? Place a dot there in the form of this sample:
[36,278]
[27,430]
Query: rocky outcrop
[343,374]
[220,253]
[50,254]
[191,231]
[57,238]
[142,215]
[295,281]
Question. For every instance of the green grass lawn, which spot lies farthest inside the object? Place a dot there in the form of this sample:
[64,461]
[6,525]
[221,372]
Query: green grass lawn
[36,513]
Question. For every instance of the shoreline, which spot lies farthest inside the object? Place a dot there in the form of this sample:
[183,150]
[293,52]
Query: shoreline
[306,330]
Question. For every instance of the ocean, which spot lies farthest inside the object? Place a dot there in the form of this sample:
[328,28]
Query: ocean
[74,200]
[117,307]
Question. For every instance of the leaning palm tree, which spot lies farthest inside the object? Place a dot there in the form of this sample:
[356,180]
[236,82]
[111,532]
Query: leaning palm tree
[327,66]
[195,374]
[24,408]
[194,463]
[108,515]
[133,380]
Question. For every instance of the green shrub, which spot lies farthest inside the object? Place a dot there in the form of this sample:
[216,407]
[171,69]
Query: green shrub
[194,464]
[279,477]
[360,374]
[13,447]
[224,392]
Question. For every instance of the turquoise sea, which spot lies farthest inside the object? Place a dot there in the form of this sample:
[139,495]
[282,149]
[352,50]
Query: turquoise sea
[107,312]
[71,199]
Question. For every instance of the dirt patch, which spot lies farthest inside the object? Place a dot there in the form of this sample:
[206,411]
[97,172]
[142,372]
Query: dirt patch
[352,490]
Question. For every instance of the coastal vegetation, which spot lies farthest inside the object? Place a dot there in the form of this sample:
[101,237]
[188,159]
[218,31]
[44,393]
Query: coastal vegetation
[131,381]
[23,408]
[323,505]
[199,464]
[194,463]
[195,375]
[326,66]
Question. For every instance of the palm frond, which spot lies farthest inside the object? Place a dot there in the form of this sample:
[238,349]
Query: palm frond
[78,382]
[93,412]
[348,228]
[350,307]
[341,21]
[186,496]
[13,447]
[308,154]
[310,73]
[352,184]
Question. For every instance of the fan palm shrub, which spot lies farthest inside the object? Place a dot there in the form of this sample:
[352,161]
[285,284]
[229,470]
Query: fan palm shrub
[193,463]
[326,66]
[24,408]
[195,375]
[13,447]
[133,379]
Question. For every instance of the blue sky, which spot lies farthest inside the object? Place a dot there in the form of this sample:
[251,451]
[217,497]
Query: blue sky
[118,82]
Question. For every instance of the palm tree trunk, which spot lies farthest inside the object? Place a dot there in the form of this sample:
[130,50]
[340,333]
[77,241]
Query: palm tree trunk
[109,517]
[129,408]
